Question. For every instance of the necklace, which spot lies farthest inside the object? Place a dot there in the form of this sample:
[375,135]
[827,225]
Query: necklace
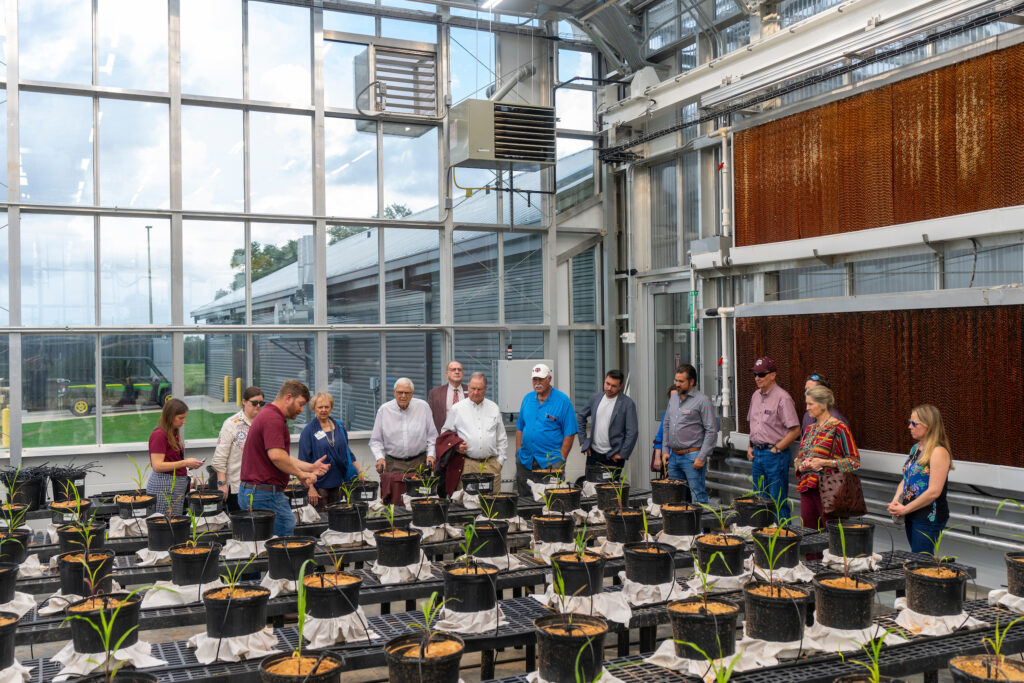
[329,435]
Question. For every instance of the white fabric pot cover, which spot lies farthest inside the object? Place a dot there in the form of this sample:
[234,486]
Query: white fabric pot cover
[646,594]
[253,646]
[82,663]
[928,625]
[611,605]
[16,673]
[350,628]
[470,622]
[354,538]
[418,571]
[242,550]
[150,558]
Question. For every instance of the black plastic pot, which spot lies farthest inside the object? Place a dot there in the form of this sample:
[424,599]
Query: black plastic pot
[63,486]
[992,668]
[475,484]
[565,499]
[558,655]
[473,592]
[126,621]
[503,505]
[328,601]
[843,608]
[252,525]
[786,550]
[860,538]
[667,491]
[580,578]
[753,511]
[135,509]
[190,569]
[365,491]
[624,526]
[7,638]
[14,545]
[333,664]
[715,634]
[229,617]
[286,562]
[649,563]
[933,595]
[414,669]
[8,581]
[397,551]
[428,512]
[607,496]
[553,528]
[417,488]
[123,675]
[73,575]
[778,619]
[348,519]
[548,475]
[27,491]
[161,535]
[863,678]
[206,504]
[1015,573]
[491,537]
[61,515]
[69,538]
[603,475]
[680,519]
[731,561]
[297,495]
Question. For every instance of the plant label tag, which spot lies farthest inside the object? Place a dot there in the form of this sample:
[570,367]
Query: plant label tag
[68,517]
[79,482]
[298,502]
[139,512]
[366,495]
[423,490]
[209,507]
[484,487]
[606,475]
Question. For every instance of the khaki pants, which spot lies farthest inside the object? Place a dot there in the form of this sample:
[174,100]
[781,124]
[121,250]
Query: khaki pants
[491,466]
[396,465]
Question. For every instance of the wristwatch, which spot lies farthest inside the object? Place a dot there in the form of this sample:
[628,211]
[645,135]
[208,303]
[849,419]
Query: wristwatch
[774,449]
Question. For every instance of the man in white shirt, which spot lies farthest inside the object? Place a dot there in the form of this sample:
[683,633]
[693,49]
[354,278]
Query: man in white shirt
[403,436]
[478,423]
[615,427]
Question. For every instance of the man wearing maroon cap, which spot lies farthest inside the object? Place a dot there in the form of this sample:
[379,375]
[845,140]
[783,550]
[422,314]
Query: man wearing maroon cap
[774,425]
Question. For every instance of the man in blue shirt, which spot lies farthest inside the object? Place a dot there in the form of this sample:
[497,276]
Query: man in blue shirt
[545,430]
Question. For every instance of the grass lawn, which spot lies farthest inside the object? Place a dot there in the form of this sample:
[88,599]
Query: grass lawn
[195,379]
[124,428]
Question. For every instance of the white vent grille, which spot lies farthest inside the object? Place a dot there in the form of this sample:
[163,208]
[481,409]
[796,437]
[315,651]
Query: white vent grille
[406,81]
[524,133]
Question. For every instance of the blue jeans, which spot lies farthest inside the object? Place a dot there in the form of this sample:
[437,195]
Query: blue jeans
[276,501]
[921,533]
[771,476]
[681,467]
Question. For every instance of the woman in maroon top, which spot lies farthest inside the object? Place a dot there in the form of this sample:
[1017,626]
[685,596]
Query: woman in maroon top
[167,458]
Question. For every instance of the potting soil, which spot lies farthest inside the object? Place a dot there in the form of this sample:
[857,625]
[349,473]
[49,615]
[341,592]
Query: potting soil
[141,498]
[235,593]
[719,539]
[848,583]
[301,666]
[773,591]
[937,572]
[177,595]
[978,667]
[333,579]
[441,648]
[57,602]
[98,602]
[928,625]
[696,607]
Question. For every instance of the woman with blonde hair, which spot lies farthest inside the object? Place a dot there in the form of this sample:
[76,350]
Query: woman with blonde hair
[167,458]
[326,436]
[921,497]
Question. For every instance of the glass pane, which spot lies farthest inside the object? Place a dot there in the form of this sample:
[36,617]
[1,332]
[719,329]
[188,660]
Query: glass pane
[3,122]
[574,172]
[990,267]
[353,373]
[5,293]
[574,109]
[56,148]
[55,41]
[279,53]
[523,209]
[414,355]
[131,44]
[691,201]
[136,382]
[472,62]
[573,63]
[664,232]
[351,149]
[671,343]
[58,385]
[526,345]
[353,275]
[408,30]
[280,163]
[214,272]
[215,370]
[212,161]
[57,276]
[135,271]
[211,47]
[587,367]
[482,206]
[5,385]
[280,357]
[524,278]
[134,154]
[347,22]
[412,291]
[475,256]
[410,172]
[662,25]
[477,352]
[282,274]
[3,68]
[895,274]
[586,287]
[812,283]
[346,74]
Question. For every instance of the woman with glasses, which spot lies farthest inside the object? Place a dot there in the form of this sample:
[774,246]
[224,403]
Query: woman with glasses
[921,497]
[816,379]
[227,459]
[325,436]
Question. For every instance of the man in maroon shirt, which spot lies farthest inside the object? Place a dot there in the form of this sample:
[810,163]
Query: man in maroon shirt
[267,463]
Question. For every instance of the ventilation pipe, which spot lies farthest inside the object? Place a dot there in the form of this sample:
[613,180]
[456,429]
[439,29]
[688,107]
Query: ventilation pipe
[722,313]
[724,179]
[494,93]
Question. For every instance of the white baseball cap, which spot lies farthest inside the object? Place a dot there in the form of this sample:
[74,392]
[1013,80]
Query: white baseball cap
[540,371]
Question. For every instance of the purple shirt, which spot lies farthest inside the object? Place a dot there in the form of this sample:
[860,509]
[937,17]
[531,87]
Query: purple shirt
[771,415]
[808,420]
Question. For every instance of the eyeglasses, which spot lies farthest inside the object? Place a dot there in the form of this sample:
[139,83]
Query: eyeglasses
[914,424]
[258,404]
[761,374]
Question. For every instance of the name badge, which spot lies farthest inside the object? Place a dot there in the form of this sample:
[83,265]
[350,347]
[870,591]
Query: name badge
[686,412]
[320,435]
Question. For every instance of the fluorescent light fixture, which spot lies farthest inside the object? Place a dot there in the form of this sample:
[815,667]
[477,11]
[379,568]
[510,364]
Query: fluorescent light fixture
[490,4]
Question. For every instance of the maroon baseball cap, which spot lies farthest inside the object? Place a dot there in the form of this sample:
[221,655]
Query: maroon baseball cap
[764,364]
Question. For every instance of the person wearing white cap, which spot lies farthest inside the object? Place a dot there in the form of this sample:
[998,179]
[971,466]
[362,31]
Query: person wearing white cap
[545,430]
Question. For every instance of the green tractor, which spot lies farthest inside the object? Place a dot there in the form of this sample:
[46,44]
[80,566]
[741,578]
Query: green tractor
[129,382]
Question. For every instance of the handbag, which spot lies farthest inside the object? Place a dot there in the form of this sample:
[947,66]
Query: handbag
[841,494]
[656,462]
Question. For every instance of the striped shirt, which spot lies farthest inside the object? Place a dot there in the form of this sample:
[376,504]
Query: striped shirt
[830,441]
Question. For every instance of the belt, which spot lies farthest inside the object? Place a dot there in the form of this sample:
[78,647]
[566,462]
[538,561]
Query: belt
[411,457]
[262,487]
[686,451]
[763,446]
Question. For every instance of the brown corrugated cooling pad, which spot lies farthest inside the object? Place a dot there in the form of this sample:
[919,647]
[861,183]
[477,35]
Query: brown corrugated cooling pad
[966,361]
[942,143]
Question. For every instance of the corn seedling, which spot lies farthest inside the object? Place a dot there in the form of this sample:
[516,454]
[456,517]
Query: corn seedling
[704,573]
[337,558]
[388,513]
[430,609]
[139,478]
[720,514]
[994,646]
[300,596]
[620,487]
[721,671]
[771,553]
[872,648]
[936,545]
[348,488]
[487,506]
[466,546]
[194,533]
[234,573]
[579,542]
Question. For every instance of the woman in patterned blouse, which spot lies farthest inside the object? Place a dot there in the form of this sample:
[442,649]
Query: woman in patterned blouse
[826,444]
[921,497]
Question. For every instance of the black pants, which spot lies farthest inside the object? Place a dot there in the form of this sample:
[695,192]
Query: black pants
[524,476]
[599,463]
[231,503]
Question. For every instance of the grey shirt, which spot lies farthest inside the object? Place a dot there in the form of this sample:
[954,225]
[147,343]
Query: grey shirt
[690,423]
